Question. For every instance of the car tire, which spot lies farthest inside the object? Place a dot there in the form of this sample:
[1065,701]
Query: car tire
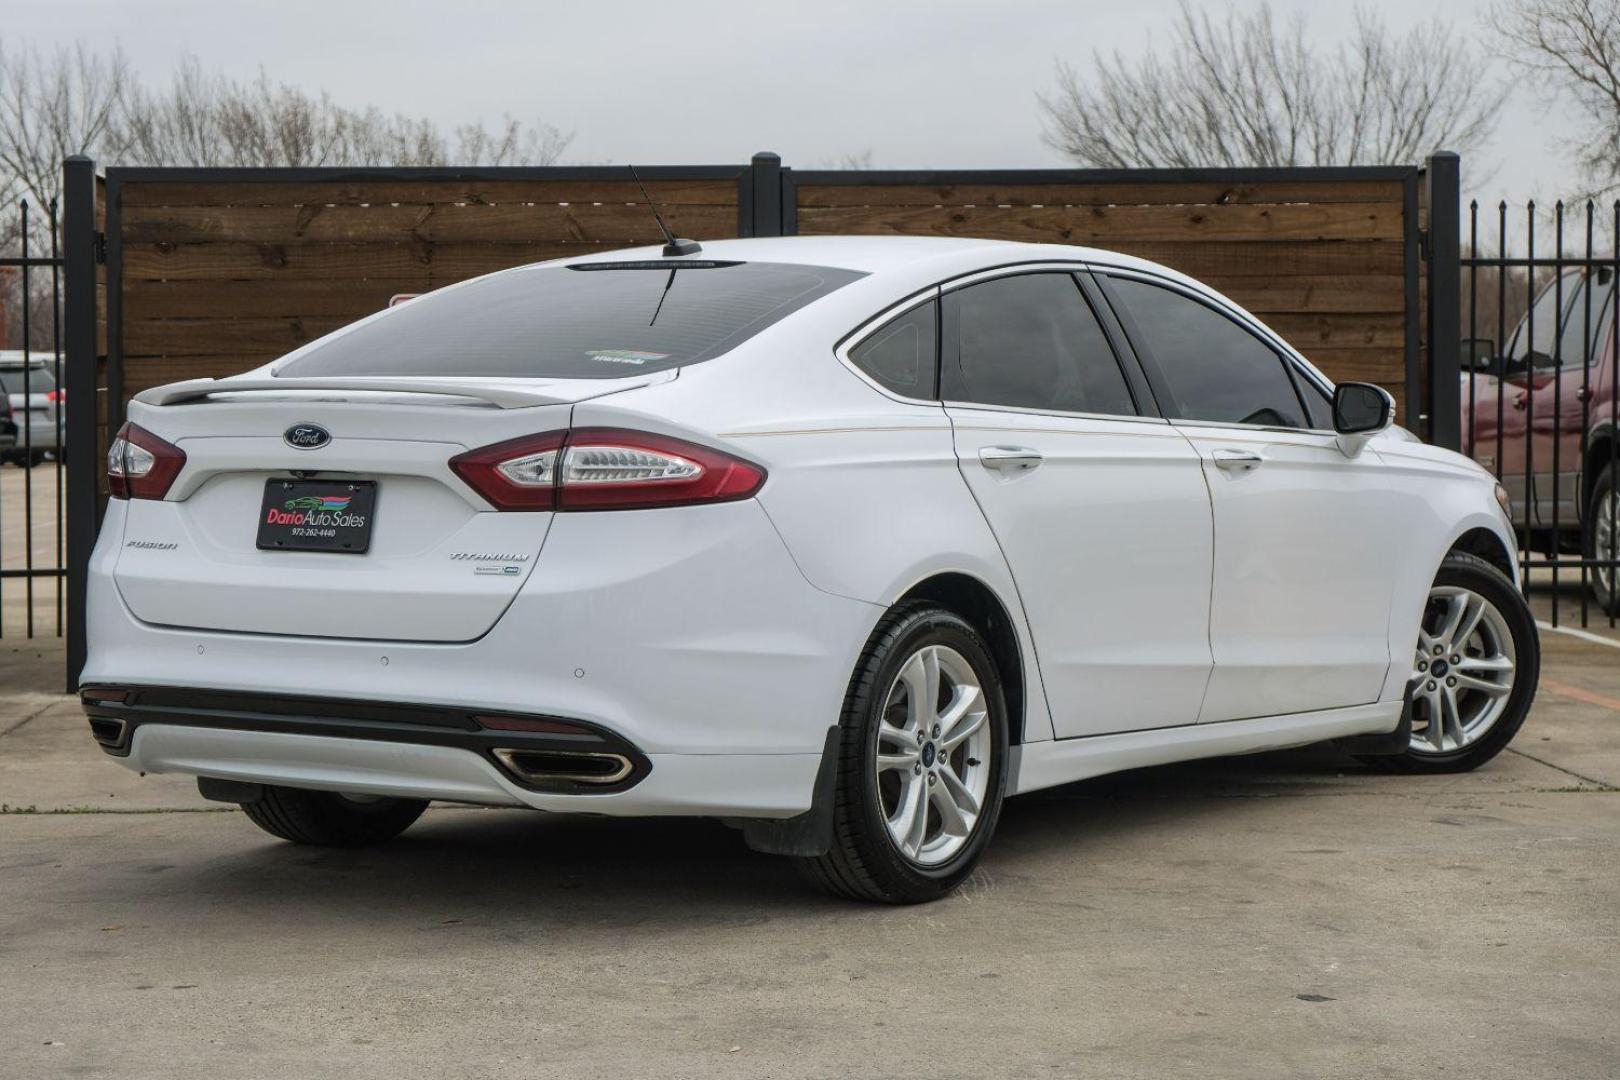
[328,819]
[926,764]
[1506,633]
[1601,514]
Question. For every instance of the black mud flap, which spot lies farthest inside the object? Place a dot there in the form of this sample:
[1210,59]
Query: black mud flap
[232,791]
[1392,744]
[809,833]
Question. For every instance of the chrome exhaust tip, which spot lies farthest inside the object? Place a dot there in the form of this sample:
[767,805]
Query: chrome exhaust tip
[541,767]
[108,731]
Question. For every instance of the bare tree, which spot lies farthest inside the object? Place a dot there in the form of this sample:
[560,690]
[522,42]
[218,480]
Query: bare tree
[52,106]
[1243,90]
[206,118]
[1573,49]
[75,101]
[851,160]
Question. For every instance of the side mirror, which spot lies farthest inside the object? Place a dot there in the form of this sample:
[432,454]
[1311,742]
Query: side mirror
[1360,411]
[1478,355]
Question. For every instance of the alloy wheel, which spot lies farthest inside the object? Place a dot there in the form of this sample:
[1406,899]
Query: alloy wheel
[933,755]
[1605,542]
[1464,671]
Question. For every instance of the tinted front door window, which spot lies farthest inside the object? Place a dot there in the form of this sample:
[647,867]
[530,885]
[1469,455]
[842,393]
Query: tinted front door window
[1031,341]
[1214,369]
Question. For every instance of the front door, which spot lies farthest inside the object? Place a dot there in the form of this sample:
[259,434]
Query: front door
[1305,538]
[1102,514]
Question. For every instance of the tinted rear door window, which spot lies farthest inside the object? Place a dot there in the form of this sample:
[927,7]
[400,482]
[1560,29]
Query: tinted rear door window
[1030,341]
[1214,369]
[589,321]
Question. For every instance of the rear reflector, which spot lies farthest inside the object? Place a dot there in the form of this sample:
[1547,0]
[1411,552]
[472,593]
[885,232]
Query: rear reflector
[140,465]
[604,469]
[531,723]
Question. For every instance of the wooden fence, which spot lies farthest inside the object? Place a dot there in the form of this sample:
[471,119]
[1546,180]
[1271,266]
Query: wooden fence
[212,272]
[218,275]
[1322,260]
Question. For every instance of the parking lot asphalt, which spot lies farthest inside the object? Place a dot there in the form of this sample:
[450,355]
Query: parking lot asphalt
[1281,915]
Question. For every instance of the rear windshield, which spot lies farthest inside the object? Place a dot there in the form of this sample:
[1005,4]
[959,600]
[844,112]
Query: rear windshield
[40,380]
[588,321]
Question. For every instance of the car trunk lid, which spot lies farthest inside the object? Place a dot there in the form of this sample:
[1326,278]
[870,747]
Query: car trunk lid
[441,566]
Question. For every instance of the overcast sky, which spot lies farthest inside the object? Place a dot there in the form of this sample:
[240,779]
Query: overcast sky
[919,83]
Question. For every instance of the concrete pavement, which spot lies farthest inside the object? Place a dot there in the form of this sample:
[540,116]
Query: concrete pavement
[1284,915]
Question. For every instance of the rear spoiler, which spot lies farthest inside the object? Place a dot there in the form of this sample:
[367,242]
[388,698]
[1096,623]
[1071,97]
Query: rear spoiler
[502,395]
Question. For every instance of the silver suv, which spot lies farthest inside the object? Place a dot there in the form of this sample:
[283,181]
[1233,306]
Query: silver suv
[36,406]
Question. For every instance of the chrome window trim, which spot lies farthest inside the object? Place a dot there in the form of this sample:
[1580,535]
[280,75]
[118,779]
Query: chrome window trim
[878,322]
[1055,413]
[1047,266]
[974,277]
[1289,355]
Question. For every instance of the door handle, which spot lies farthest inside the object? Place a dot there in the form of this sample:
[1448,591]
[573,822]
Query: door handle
[1237,460]
[1009,458]
[1584,394]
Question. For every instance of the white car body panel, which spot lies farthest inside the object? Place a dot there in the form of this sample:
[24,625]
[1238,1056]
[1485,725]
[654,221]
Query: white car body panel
[635,630]
[1068,760]
[720,639]
[1110,544]
[710,785]
[1299,612]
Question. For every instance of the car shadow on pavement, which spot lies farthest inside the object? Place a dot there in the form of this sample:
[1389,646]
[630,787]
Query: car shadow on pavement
[457,865]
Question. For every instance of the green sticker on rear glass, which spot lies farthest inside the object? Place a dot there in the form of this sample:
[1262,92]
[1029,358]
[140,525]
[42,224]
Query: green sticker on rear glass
[625,356]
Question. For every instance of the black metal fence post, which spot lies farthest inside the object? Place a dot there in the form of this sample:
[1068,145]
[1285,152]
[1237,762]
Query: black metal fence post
[1445,303]
[765,178]
[79,255]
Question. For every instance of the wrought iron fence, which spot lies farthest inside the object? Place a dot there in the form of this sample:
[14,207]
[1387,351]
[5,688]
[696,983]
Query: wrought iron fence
[1539,394]
[32,407]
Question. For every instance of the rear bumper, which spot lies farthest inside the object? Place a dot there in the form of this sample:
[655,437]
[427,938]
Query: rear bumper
[744,786]
[538,753]
[688,636]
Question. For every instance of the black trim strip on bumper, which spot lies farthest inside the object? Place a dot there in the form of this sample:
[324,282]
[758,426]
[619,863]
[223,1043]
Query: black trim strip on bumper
[107,706]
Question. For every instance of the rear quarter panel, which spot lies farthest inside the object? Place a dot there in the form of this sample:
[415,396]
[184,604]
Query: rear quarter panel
[864,489]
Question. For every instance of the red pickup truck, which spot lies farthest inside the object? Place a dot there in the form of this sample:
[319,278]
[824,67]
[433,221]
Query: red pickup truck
[1541,414]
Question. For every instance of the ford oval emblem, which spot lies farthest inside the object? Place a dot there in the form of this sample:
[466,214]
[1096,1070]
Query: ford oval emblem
[306,436]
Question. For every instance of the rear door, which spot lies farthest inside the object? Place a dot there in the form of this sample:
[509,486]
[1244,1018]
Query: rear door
[1101,511]
[1306,539]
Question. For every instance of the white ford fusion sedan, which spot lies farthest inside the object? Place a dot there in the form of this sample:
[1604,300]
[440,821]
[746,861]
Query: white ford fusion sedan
[842,541]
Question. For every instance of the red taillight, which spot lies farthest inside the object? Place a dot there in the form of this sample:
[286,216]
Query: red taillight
[140,465]
[56,396]
[604,469]
[519,474]
[613,469]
